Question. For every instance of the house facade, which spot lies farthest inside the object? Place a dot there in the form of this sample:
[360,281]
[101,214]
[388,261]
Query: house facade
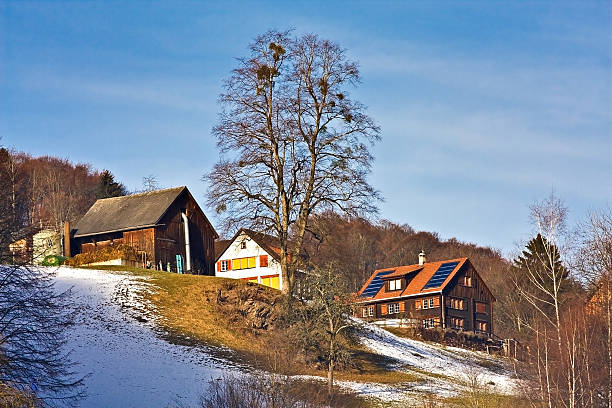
[251,256]
[166,227]
[34,244]
[447,294]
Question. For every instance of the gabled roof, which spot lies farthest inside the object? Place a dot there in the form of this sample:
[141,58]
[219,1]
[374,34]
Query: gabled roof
[128,212]
[268,243]
[419,277]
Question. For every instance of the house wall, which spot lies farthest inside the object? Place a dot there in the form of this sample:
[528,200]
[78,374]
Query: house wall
[470,294]
[46,242]
[260,274]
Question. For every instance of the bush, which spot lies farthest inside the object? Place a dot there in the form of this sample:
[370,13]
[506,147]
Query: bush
[273,391]
[53,260]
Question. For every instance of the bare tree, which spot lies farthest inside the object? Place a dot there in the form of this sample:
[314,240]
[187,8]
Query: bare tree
[594,261]
[325,317]
[149,183]
[33,319]
[292,141]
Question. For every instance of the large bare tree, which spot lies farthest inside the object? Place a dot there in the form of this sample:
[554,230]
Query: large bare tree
[292,141]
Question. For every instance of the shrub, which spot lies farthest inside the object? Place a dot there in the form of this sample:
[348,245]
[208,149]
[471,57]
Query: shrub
[273,391]
[53,260]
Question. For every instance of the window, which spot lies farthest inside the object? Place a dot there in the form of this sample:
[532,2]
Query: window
[456,323]
[225,265]
[395,284]
[243,245]
[393,308]
[243,263]
[364,312]
[431,303]
[466,281]
[481,326]
[429,323]
[456,303]
[370,311]
[425,304]
[481,307]
[263,261]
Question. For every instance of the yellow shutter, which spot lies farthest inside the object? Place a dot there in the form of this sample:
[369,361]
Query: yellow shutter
[265,281]
[274,282]
[235,263]
[254,280]
[243,263]
[251,262]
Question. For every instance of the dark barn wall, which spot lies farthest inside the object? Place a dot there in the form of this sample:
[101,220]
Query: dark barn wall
[170,236]
[83,245]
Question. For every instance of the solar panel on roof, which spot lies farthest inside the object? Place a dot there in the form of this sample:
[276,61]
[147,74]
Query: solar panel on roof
[376,284]
[441,274]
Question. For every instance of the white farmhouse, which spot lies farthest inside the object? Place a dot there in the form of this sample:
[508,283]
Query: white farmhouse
[251,256]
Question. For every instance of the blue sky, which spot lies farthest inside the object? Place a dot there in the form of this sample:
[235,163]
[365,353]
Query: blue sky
[485,106]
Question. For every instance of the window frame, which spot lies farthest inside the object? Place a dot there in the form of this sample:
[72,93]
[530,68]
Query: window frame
[467,281]
[224,265]
[395,284]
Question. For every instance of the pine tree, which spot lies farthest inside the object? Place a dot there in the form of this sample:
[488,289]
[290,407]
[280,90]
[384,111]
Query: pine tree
[108,187]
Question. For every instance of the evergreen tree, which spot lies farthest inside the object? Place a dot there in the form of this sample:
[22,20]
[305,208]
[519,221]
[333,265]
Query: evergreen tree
[108,187]
[539,273]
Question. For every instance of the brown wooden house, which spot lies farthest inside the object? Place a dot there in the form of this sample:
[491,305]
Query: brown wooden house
[448,294]
[156,224]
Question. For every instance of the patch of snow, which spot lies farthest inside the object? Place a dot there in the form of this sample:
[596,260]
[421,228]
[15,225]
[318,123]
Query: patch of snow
[126,363]
[450,363]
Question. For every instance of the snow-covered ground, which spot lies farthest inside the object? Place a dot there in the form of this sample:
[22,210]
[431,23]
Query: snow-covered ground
[126,363]
[129,364]
[452,369]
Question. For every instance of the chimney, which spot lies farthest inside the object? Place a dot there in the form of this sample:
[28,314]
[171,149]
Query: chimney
[67,239]
[422,258]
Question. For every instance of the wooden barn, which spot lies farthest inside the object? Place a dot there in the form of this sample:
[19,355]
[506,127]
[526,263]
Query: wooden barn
[447,294]
[166,227]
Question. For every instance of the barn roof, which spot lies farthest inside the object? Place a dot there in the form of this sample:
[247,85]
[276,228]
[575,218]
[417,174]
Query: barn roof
[431,277]
[127,212]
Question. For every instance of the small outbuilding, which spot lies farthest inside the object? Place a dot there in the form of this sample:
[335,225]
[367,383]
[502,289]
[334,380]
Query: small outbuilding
[166,227]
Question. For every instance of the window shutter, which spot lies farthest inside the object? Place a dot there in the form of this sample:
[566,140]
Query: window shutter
[263,261]
[436,301]
[219,266]
[417,304]
[383,309]
[402,306]
[229,265]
